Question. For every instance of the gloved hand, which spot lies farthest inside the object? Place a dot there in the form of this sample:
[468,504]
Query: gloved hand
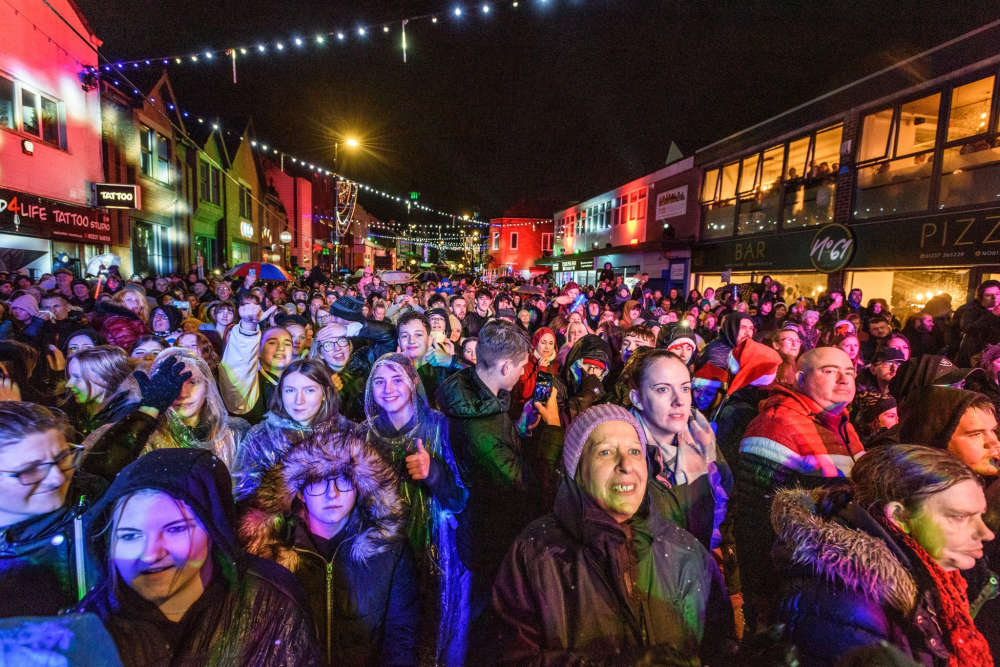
[162,388]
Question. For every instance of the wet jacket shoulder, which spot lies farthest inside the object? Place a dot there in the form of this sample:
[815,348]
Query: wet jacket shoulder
[847,583]
[576,588]
[264,446]
[252,620]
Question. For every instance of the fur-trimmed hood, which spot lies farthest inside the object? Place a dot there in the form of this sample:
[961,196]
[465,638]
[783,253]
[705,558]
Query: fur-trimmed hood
[267,529]
[837,552]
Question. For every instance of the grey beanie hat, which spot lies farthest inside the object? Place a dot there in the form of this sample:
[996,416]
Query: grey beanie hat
[584,425]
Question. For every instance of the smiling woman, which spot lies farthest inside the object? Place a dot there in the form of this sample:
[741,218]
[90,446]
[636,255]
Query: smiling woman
[177,588]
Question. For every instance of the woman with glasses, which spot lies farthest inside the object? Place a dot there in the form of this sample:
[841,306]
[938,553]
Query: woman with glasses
[333,347]
[331,514]
[46,487]
[413,439]
[304,400]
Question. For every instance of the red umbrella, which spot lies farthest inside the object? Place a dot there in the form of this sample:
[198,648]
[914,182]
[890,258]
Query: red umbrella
[264,270]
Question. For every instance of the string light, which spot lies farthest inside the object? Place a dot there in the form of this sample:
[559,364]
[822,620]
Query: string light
[362,31]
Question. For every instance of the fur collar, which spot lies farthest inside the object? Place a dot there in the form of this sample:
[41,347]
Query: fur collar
[379,511]
[840,553]
[108,308]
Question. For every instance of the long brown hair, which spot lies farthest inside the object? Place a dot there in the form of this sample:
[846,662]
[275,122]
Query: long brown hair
[315,370]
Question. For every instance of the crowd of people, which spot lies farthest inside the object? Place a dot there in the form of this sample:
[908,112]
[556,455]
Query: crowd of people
[328,471]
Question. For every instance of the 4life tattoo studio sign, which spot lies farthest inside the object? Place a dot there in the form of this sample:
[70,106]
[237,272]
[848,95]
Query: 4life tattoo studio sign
[937,241]
[22,213]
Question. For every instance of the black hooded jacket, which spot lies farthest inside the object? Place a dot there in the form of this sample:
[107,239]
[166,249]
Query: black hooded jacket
[717,352]
[585,390]
[251,613]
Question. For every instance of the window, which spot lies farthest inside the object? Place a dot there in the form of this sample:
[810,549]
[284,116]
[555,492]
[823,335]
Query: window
[28,111]
[209,183]
[496,241]
[809,199]
[155,150]
[791,184]
[897,155]
[7,118]
[246,203]
[30,121]
[513,240]
[970,163]
[547,241]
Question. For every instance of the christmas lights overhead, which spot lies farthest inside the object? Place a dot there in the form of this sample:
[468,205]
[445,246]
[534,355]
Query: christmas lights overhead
[361,32]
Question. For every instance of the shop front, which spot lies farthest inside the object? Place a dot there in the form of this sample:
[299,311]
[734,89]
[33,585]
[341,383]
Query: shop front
[580,271]
[905,262]
[38,234]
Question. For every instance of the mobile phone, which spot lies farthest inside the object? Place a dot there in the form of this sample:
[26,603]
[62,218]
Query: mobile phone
[437,337]
[183,305]
[543,387]
[252,273]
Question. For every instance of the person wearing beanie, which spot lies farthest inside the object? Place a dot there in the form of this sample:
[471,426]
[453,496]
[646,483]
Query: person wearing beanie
[553,598]
[960,421]
[165,322]
[191,596]
[873,415]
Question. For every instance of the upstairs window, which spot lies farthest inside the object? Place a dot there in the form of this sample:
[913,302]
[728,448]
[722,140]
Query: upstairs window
[25,110]
[896,158]
[155,150]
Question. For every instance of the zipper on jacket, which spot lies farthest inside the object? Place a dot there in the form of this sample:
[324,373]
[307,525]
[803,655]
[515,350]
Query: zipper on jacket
[79,555]
[329,612]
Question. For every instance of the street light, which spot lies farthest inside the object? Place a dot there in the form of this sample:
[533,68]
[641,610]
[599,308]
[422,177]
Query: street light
[350,142]
[285,237]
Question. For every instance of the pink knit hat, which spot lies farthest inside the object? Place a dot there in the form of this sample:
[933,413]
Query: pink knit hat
[27,303]
[584,425]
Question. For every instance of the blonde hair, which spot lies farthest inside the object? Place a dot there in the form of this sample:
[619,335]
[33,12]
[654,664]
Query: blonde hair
[118,298]
[105,367]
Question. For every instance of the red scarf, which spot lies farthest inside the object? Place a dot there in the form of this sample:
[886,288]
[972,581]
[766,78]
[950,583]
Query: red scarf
[967,646]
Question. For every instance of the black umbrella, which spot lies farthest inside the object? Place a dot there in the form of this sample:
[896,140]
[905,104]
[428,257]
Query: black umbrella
[427,276]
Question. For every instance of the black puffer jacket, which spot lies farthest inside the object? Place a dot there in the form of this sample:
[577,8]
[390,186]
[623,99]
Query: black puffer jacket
[38,556]
[578,588]
[490,459]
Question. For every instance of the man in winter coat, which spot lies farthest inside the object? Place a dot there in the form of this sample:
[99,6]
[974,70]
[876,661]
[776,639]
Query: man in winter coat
[604,580]
[802,437]
[489,452]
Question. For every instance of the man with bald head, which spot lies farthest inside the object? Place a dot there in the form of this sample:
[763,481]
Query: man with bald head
[801,437]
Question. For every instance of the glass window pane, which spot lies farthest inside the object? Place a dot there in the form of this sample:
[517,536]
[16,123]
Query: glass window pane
[875,135]
[50,121]
[826,155]
[918,121]
[773,167]
[970,109]
[971,174]
[748,173]
[6,103]
[29,112]
[897,186]
[719,219]
[729,174]
[708,187]
[759,212]
[797,152]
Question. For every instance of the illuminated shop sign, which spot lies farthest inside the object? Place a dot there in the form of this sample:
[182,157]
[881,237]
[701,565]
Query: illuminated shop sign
[22,213]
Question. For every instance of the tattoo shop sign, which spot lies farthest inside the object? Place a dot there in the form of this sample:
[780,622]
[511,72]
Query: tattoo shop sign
[22,213]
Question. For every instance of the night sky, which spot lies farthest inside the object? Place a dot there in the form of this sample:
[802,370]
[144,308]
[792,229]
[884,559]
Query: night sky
[557,101]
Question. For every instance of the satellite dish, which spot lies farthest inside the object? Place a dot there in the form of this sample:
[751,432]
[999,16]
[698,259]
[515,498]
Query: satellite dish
[95,264]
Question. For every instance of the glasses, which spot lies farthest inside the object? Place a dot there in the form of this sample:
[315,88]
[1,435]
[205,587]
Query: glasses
[327,346]
[67,460]
[322,487]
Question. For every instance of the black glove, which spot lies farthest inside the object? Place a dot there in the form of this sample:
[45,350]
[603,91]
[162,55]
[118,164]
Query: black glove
[162,388]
